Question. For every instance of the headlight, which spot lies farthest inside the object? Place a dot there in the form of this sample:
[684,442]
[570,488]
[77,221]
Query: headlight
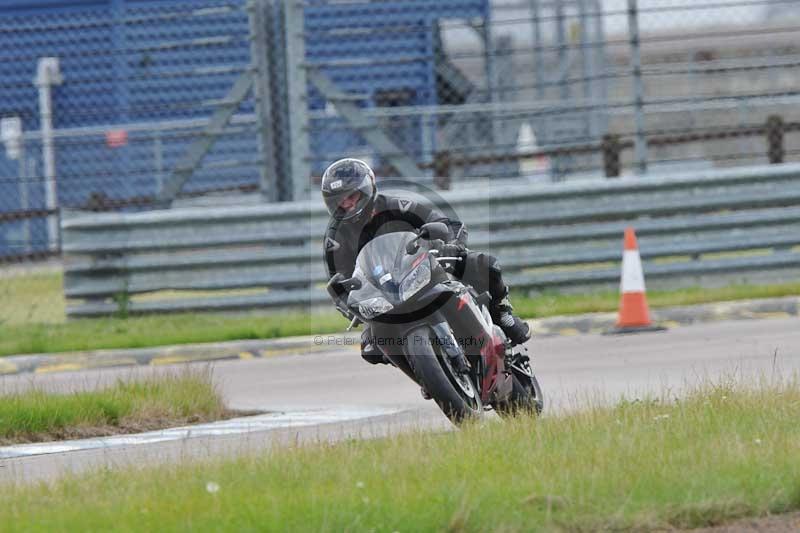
[374,307]
[418,278]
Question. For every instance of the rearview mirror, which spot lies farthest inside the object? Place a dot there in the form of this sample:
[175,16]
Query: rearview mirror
[352,284]
[335,280]
[349,284]
[435,230]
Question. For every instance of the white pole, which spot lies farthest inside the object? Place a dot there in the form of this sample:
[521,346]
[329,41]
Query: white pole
[48,74]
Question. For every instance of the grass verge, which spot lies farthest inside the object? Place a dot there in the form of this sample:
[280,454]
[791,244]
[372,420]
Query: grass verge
[31,298]
[33,320]
[720,453]
[161,330]
[556,304]
[170,400]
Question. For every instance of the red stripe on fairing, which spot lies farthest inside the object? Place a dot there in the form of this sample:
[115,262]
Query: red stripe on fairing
[491,352]
[419,260]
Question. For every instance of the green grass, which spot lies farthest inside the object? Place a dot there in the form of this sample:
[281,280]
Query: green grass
[32,317]
[31,298]
[555,304]
[140,332]
[156,402]
[720,453]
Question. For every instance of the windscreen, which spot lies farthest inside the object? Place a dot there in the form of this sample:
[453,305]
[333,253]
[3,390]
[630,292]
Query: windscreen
[382,264]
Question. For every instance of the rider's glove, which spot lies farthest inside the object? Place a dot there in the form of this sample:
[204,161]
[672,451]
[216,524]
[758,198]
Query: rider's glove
[339,302]
[453,249]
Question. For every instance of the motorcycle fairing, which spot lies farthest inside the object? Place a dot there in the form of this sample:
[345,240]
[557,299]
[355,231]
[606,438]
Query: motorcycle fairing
[382,278]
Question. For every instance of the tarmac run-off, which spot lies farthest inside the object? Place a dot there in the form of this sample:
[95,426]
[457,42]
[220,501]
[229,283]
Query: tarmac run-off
[380,400]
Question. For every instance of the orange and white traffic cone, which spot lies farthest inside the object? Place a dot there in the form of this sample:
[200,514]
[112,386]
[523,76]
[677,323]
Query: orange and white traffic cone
[634,315]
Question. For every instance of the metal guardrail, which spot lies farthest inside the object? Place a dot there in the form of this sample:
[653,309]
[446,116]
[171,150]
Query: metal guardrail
[710,227]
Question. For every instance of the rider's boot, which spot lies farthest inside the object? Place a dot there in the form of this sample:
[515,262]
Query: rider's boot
[517,330]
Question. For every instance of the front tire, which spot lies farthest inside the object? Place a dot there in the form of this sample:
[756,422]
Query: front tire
[526,398]
[455,394]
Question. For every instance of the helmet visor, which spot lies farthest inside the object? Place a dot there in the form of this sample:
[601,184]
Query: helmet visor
[347,205]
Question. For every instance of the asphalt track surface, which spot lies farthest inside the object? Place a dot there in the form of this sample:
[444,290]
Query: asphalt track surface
[572,371]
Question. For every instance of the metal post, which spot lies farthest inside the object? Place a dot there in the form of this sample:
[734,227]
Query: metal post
[638,86]
[587,66]
[600,64]
[775,149]
[561,37]
[119,45]
[280,99]
[23,195]
[562,162]
[488,60]
[428,127]
[611,149]
[538,57]
[505,130]
[30,173]
[490,69]
[260,31]
[158,159]
[47,75]
[297,94]
[12,137]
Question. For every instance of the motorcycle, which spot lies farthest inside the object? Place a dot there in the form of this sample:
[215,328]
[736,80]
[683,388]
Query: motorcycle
[436,329]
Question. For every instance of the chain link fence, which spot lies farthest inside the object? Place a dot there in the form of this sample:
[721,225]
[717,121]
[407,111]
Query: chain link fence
[130,105]
[551,90]
[134,104]
[106,106]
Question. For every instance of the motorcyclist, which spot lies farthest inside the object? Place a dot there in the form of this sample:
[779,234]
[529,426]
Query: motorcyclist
[359,214]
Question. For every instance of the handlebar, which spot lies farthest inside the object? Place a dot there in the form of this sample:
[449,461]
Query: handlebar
[353,323]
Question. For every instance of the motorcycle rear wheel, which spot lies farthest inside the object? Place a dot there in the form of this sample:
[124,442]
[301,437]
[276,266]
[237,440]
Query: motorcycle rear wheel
[454,393]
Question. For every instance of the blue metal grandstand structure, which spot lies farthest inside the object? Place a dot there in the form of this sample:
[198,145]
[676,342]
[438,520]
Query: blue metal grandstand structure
[140,77]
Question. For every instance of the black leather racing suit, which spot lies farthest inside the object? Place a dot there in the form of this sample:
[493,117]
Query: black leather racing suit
[343,241]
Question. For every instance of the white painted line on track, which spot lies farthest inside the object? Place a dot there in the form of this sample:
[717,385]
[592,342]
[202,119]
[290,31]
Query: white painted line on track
[234,426]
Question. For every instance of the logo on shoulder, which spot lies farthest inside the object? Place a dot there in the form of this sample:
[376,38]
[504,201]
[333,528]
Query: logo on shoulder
[331,245]
[405,205]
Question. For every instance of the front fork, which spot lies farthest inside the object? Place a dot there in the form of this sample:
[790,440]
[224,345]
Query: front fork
[490,354]
[450,346]
[519,361]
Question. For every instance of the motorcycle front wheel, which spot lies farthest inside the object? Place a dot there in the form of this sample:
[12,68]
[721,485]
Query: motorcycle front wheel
[526,394]
[454,393]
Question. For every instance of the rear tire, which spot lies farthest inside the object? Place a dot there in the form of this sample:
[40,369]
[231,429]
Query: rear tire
[455,394]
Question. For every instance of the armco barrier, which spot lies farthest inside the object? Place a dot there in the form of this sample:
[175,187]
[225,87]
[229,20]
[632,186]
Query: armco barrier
[705,228]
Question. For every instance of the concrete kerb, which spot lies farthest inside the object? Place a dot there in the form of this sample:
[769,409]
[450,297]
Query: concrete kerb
[165,355]
[592,323]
